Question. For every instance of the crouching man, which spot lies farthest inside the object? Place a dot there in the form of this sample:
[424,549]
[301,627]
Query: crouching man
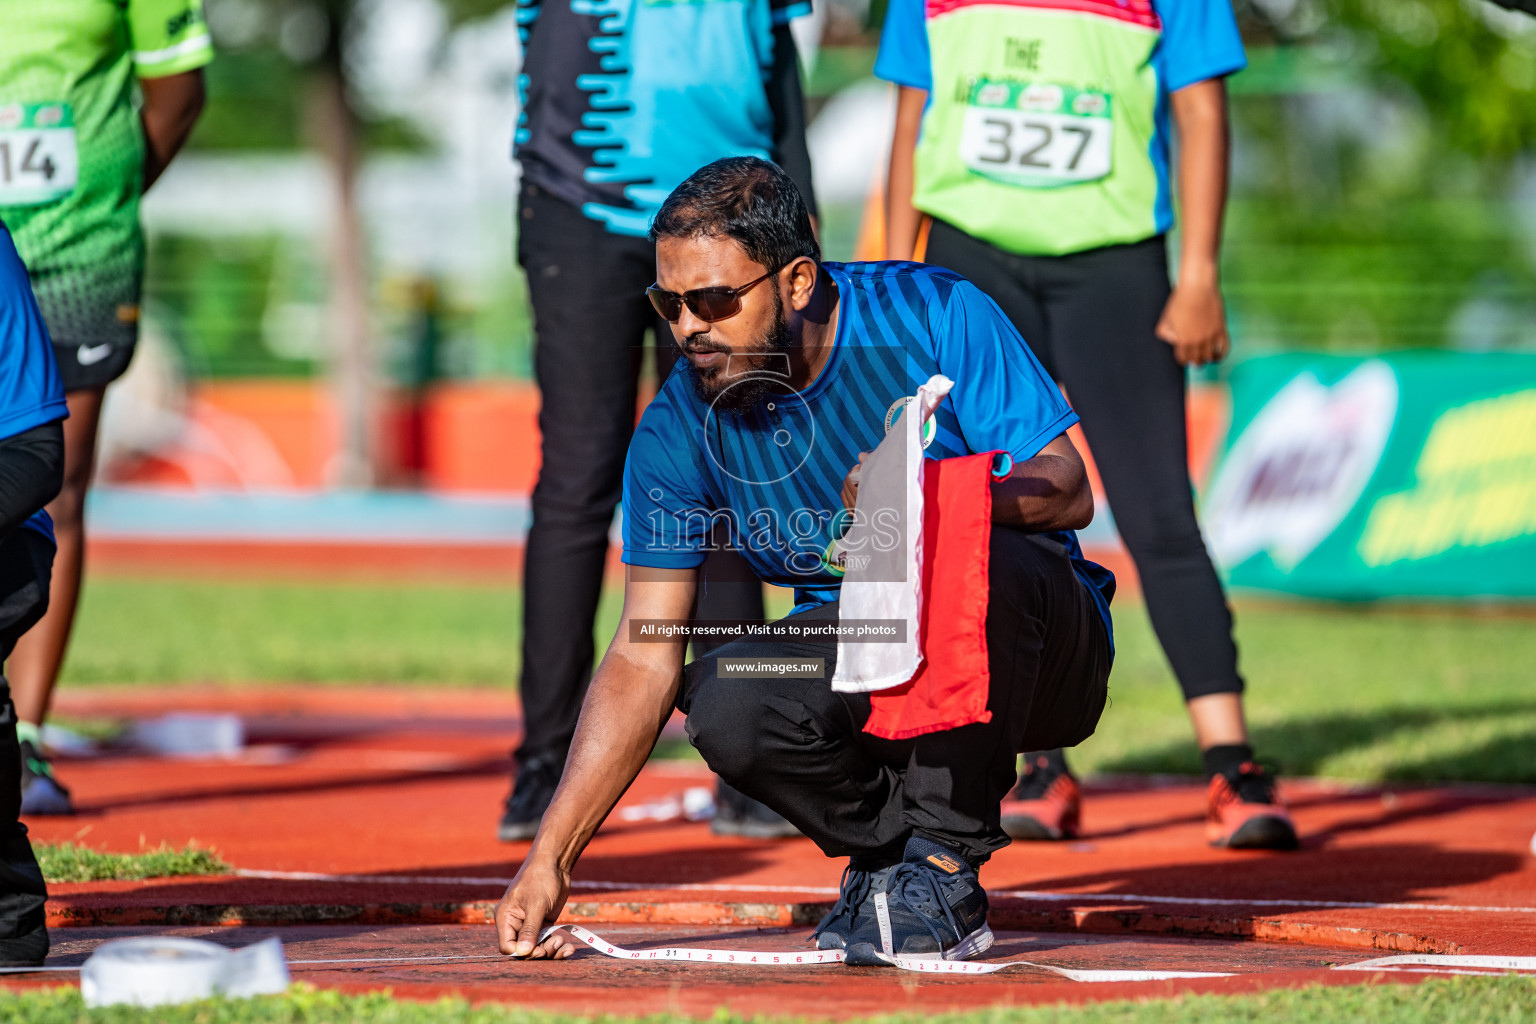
[794,367]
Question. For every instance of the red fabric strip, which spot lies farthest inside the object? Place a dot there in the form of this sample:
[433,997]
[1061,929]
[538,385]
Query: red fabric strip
[951,685]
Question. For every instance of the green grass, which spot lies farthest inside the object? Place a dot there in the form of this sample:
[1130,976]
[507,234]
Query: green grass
[165,631]
[68,862]
[1348,692]
[1454,1001]
[1345,692]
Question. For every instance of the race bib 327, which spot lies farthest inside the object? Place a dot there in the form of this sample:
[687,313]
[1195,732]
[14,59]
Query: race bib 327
[1038,134]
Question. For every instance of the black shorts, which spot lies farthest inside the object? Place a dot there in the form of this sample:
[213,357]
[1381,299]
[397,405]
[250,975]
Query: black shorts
[26,568]
[92,367]
[93,320]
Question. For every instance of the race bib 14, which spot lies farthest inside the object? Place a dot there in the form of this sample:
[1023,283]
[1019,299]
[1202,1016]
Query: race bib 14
[38,159]
[1037,135]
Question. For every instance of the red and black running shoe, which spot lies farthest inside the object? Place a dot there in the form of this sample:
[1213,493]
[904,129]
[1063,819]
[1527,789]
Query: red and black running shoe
[1046,804]
[1246,813]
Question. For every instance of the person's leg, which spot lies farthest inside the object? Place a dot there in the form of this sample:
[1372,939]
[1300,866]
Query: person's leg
[1130,392]
[794,744]
[25,563]
[729,591]
[799,747]
[1046,803]
[590,314]
[39,655]
[1049,658]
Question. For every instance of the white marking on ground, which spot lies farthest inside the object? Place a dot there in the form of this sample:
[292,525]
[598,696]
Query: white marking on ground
[1039,895]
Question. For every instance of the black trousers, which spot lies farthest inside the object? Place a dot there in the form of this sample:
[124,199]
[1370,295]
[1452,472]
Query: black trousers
[1089,318]
[26,567]
[798,746]
[590,315]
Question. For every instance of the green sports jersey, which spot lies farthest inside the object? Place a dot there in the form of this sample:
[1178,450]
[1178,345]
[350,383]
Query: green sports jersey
[72,148]
[1047,126]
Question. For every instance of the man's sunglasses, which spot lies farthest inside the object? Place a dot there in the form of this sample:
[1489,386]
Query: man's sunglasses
[708,304]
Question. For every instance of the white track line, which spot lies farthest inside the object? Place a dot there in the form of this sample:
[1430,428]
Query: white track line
[1410,964]
[1444,964]
[1211,901]
[1040,895]
[781,958]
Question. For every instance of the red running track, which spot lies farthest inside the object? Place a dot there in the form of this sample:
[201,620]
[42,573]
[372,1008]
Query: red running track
[392,798]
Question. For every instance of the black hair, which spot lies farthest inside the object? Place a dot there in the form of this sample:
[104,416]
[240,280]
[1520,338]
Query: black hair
[746,199]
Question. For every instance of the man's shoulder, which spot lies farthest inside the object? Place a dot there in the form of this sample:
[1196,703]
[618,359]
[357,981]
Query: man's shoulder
[902,280]
[671,419]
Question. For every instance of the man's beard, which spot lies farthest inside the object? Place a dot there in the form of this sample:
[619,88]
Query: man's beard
[754,374]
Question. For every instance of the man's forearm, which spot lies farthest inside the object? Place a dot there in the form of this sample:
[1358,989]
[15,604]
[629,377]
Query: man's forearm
[1049,492]
[622,716]
[1200,114]
[902,218]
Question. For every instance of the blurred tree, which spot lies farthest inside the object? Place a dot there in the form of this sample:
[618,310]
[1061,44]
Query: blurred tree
[313,38]
[1381,144]
[1470,63]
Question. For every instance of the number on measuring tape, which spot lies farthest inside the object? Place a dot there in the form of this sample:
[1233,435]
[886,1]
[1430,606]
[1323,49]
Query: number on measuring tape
[1037,135]
[38,159]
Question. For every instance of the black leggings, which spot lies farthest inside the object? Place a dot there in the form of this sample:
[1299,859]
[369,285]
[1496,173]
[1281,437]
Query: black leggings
[1089,318]
[26,564]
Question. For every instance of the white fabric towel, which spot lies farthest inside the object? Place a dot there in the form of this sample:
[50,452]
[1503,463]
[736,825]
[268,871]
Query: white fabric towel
[881,580]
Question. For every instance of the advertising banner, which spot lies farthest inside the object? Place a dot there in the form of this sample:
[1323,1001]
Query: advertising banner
[1411,475]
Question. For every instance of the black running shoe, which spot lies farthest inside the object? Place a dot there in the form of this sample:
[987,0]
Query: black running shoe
[26,950]
[933,908]
[41,792]
[737,814]
[853,915]
[533,787]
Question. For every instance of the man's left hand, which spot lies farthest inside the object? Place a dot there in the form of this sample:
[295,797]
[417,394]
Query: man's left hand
[1194,322]
[851,484]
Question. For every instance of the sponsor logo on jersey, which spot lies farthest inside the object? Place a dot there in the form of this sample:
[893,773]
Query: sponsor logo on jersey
[90,355]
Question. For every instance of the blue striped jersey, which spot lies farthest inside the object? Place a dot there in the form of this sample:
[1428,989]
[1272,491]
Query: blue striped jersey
[769,480]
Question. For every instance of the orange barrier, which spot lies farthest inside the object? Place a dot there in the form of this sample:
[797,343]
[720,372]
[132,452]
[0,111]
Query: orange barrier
[473,437]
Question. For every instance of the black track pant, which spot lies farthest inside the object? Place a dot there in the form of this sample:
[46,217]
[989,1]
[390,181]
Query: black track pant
[797,745]
[26,565]
[1089,318]
[590,315]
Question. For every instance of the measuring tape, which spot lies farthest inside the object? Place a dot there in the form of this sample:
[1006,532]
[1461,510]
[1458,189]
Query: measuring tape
[810,958]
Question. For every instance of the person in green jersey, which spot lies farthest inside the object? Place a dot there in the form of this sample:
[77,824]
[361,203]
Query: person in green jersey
[1032,155]
[96,97]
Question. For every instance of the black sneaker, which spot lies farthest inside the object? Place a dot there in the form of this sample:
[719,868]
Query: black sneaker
[533,787]
[27,950]
[41,792]
[737,814]
[853,915]
[933,908]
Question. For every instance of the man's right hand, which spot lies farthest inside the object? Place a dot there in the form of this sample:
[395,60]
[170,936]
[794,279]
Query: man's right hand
[533,901]
[630,698]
